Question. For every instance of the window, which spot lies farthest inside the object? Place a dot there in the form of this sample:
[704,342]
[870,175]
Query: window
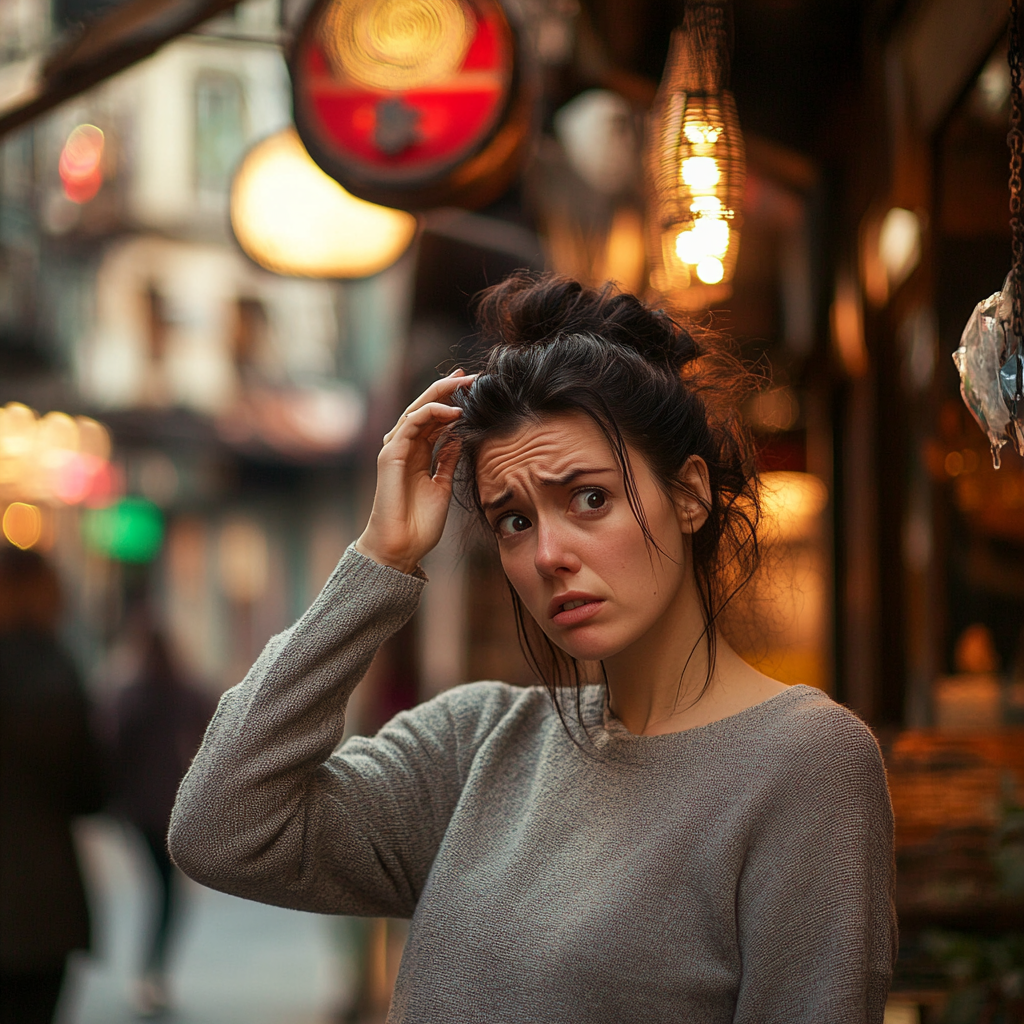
[220,130]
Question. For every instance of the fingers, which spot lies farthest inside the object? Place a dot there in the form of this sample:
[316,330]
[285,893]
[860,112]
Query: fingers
[437,392]
[428,419]
[447,460]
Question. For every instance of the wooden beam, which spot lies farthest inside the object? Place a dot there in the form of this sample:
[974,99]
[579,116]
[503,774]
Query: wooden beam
[102,48]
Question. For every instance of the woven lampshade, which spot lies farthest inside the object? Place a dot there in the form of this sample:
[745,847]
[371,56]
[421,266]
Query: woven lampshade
[695,164]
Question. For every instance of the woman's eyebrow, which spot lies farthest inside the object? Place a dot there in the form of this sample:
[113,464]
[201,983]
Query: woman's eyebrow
[501,500]
[562,481]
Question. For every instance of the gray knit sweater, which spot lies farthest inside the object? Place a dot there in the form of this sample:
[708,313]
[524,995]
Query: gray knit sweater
[737,872]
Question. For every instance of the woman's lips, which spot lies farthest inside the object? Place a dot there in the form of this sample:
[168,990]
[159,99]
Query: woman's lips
[574,616]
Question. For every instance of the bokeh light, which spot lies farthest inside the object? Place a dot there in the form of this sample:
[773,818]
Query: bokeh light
[55,459]
[791,503]
[81,163]
[292,218]
[131,530]
[22,524]
[395,44]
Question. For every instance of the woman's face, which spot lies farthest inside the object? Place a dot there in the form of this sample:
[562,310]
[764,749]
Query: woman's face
[569,542]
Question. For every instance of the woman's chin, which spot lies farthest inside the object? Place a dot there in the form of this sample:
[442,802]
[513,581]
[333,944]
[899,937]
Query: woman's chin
[594,648]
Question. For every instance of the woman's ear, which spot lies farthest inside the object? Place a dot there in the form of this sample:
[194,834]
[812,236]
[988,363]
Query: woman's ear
[693,496]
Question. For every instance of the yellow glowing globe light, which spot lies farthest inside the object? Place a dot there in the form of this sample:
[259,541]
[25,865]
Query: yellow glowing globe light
[22,524]
[292,218]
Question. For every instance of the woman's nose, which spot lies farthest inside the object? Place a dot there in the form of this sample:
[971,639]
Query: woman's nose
[555,555]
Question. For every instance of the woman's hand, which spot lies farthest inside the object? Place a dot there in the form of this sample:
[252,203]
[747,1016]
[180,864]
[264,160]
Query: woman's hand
[411,505]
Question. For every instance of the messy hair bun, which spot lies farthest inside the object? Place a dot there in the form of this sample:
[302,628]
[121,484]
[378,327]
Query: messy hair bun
[551,345]
[529,308]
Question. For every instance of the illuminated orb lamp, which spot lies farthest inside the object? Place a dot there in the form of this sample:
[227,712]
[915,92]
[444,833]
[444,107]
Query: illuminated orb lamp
[131,530]
[81,163]
[412,103]
[695,165]
[293,219]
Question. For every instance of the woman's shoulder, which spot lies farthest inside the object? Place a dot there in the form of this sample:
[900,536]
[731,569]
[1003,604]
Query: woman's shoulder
[811,733]
[472,710]
[489,700]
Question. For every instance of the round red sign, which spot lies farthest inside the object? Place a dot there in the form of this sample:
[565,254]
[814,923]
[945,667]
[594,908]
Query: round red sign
[411,103]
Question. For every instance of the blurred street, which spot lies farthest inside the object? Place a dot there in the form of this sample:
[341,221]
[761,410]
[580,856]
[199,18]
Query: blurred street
[233,961]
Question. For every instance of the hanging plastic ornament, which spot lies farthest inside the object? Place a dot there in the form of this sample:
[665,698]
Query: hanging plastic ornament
[991,353]
[990,363]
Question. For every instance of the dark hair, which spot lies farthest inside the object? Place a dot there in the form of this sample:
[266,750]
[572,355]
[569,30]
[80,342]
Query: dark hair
[554,346]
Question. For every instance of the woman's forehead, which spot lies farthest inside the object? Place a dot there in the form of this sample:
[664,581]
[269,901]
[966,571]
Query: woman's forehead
[549,445]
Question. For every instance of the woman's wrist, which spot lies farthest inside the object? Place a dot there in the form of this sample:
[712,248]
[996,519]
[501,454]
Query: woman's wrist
[368,549]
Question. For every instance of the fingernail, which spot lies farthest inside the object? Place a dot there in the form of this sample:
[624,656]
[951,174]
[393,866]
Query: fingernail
[458,369]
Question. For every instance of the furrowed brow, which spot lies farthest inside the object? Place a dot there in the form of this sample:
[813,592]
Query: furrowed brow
[564,481]
[499,502]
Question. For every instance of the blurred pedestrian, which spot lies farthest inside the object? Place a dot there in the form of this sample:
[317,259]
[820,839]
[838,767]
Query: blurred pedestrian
[49,773]
[155,727]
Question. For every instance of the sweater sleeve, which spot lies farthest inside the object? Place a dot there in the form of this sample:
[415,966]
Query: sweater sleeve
[267,812]
[815,912]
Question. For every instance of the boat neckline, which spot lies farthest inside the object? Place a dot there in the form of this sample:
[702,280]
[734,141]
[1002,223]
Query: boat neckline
[613,729]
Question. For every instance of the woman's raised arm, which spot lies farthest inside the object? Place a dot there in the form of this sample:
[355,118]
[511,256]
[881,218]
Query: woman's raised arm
[265,811]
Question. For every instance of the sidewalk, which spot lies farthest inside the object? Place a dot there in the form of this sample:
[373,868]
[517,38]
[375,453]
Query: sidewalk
[234,962]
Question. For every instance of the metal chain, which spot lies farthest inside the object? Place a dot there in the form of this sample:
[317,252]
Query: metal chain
[1015,140]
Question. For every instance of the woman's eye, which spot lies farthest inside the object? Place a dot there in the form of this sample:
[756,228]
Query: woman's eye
[512,524]
[588,500]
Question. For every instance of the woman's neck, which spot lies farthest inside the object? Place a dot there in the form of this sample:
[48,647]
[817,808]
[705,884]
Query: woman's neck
[659,684]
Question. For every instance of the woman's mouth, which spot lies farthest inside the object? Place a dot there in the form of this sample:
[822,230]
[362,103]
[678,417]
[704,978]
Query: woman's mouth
[577,610]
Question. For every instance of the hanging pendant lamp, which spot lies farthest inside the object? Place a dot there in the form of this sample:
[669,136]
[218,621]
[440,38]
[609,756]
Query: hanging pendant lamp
[695,163]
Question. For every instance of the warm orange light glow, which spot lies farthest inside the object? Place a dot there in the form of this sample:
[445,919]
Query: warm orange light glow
[848,326]
[701,173]
[395,44]
[791,503]
[710,270]
[293,219]
[700,133]
[899,245]
[22,524]
[81,163]
[53,459]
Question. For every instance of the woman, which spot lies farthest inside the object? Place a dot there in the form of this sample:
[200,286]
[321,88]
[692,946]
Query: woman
[686,841]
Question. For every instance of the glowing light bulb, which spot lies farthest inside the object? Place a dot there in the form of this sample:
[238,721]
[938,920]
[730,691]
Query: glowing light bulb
[707,206]
[686,247]
[710,270]
[701,173]
[709,237]
[712,236]
[700,133]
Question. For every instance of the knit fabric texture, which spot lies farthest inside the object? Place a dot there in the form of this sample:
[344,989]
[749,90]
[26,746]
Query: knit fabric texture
[737,872]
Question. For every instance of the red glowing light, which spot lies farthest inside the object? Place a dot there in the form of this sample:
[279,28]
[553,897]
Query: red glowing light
[81,163]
